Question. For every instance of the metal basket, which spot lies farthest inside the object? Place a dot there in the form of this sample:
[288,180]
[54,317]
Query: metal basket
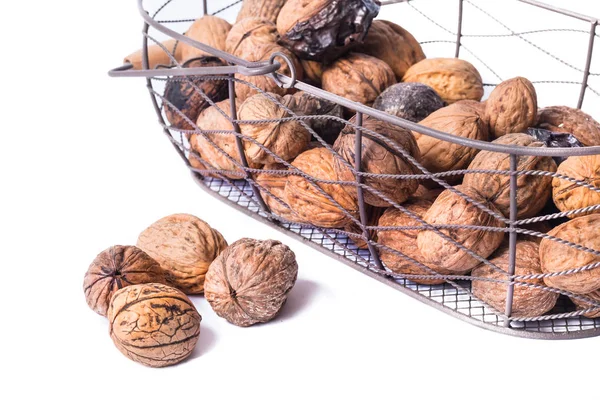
[454,296]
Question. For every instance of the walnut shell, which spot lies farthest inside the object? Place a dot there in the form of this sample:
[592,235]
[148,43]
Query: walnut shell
[182,94]
[393,44]
[250,281]
[423,193]
[450,208]
[373,215]
[286,139]
[533,192]
[584,305]
[185,246]
[411,101]
[248,33]
[209,30]
[540,226]
[440,156]
[557,257]
[511,107]
[275,184]
[405,241]
[308,202]
[378,157]
[477,107]
[358,77]
[570,120]
[570,196]
[115,268]
[153,324]
[266,9]
[323,30]
[453,79]
[313,70]
[527,301]
[328,129]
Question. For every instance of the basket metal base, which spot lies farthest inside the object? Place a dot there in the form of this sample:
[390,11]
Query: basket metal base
[454,299]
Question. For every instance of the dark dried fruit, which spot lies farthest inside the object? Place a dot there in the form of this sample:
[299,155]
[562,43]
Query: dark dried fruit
[323,30]
[411,101]
[328,129]
[250,281]
[554,139]
[570,120]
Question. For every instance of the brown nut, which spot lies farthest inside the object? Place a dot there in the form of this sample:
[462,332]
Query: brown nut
[265,9]
[533,191]
[558,257]
[423,193]
[358,77]
[405,242]
[308,202]
[115,268]
[450,208]
[584,305]
[185,246]
[373,215]
[209,30]
[393,44]
[570,120]
[527,301]
[539,227]
[569,196]
[250,281]
[313,70]
[379,157]
[153,324]
[511,107]
[272,187]
[248,33]
[156,55]
[453,79]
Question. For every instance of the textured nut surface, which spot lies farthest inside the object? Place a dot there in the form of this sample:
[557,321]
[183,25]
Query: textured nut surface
[570,120]
[209,30]
[373,215]
[250,281]
[584,305]
[358,77]
[286,139]
[115,268]
[393,44]
[185,246]
[453,79]
[313,70]
[308,202]
[533,192]
[275,185]
[558,257]
[450,208]
[248,33]
[324,29]
[405,241]
[411,101]
[570,196]
[266,9]
[527,301]
[511,107]
[378,157]
[423,193]
[153,324]
[184,97]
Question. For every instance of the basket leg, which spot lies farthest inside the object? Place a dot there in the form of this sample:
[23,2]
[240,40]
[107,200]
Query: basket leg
[459,29]
[588,62]
[512,240]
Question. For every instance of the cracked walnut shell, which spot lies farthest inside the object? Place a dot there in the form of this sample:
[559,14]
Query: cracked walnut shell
[569,196]
[115,268]
[570,120]
[185,246]
[153,324]
[511,107]
[209,30]
[250,281]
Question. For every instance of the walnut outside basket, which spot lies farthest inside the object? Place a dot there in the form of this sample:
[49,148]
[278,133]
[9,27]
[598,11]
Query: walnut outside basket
[451,37]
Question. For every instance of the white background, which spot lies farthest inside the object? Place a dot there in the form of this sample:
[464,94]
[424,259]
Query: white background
[84,166]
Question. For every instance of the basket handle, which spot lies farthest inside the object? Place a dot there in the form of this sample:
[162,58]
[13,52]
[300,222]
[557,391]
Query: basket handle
[128,70]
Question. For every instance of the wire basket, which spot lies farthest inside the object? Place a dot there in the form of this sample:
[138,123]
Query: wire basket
[243,191]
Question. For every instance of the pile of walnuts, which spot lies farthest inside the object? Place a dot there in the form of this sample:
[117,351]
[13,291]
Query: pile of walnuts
[143,290]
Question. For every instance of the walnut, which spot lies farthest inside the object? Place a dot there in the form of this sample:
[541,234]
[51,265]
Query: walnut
[379,157]
[156,55]
[570,120]
[570,196]
[209,30]
[450,208]
[423,193]
[533,192]
[393,44]
[182,94]
[275,185]
[266,9]
[477,107]
[114,268]
[511,107]
[185,246]
[308,202]
[373,215]
[313,70]
[527,301]
[153,324]
[250,281]
[411,101]
[584,305]
[328,129]
[405,242]
[358,77]
[286,139]
[540,226]
[249,33]
[323,30]
[440,156]
[453,79]
[558,257]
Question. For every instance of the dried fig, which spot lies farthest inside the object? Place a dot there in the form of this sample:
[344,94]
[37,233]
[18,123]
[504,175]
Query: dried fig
[569,196]
[209,30]
[511,107]
[267,9]
[570,120]
[411,101]
[248,33]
